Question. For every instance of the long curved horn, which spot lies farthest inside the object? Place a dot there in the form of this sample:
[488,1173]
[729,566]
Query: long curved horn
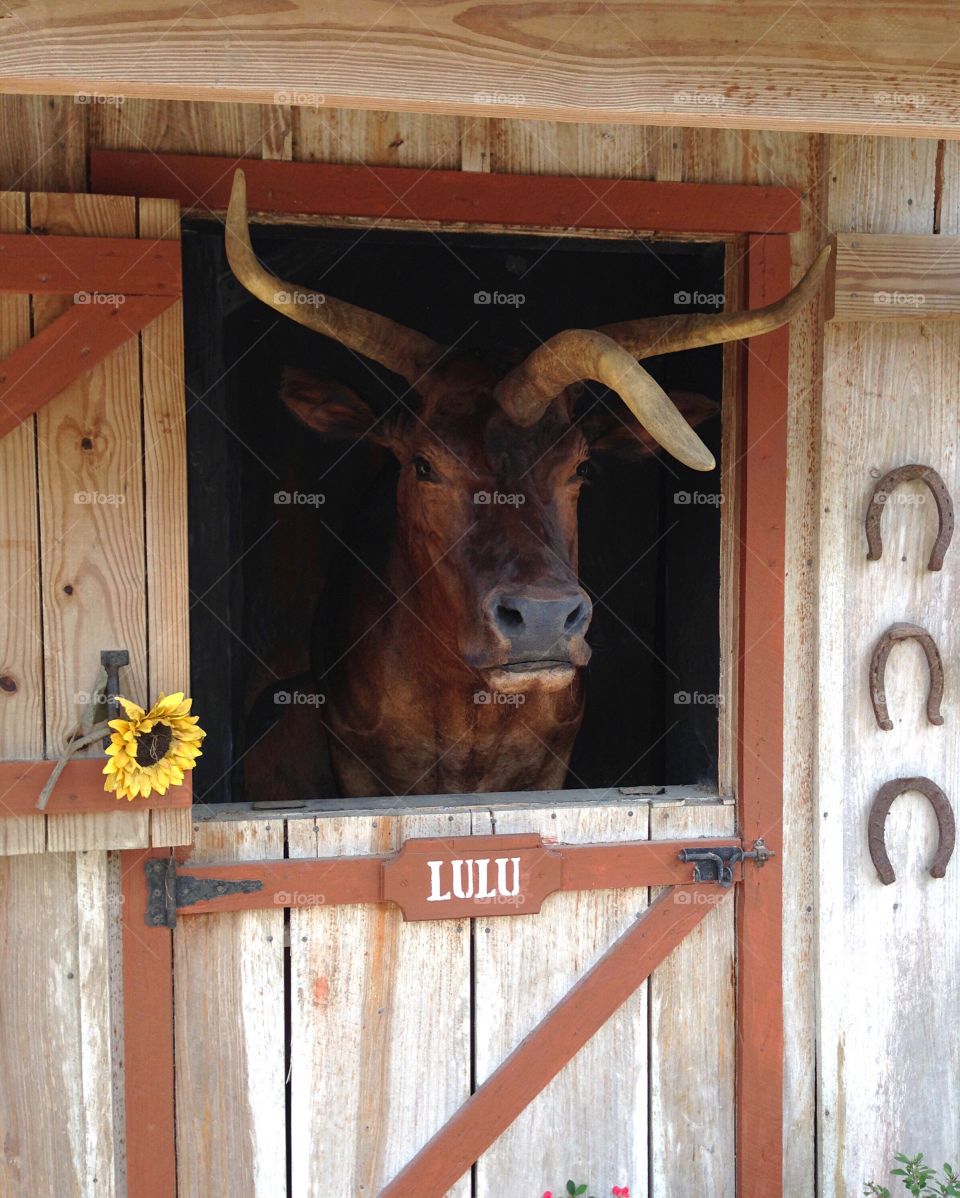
[609,355]
[668,334]
[575,354]
[394,346]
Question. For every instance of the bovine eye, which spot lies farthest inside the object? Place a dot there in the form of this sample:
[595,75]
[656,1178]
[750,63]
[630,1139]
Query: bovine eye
[585,469]
[422,467]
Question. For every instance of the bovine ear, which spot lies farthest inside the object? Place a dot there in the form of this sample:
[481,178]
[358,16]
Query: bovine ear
[630,439]
[329,408]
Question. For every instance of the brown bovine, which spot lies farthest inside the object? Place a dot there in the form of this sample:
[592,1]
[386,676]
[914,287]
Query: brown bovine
[464,662]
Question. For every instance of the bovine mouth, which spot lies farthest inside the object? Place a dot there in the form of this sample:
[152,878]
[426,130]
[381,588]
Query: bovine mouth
[536,665]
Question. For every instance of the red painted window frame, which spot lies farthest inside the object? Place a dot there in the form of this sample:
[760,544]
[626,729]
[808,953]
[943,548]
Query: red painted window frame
[764,216]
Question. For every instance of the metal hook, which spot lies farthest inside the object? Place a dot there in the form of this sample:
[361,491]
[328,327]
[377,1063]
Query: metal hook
[878,817]
[881,493]
[878,666]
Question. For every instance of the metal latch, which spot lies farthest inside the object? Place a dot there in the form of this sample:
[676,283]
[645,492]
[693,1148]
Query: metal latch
[167,891]
[716,865]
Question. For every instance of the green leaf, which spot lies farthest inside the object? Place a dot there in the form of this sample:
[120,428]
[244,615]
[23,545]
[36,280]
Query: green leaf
[571,1188]
[581,1189]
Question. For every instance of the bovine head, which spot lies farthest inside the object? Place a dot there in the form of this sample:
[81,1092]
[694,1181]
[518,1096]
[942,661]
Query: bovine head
[491,468]
[485,545]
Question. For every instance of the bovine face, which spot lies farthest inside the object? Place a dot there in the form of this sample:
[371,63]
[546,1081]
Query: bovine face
[485,546]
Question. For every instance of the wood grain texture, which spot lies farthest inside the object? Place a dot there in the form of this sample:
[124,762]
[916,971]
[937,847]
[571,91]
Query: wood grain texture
[43,143]
[890,276]
[886,1000]
[165,499]
[380,1010]
[752,64]
[591,1121]
[88,445]
[21,647]
[693,1036]
[229,1019]
[54,1013]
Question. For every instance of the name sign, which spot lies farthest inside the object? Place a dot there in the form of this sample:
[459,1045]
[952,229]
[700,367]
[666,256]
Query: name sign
[465,877]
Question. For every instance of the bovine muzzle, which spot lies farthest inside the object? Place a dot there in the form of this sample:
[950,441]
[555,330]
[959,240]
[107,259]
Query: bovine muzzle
[540,630]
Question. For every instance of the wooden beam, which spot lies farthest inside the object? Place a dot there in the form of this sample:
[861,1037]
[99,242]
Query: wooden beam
[335,881]
[881,276]
[148,1059]
[553,1042]
[79,790]
[66,348]
[202,184]
[727,64]
[759,1152]
[81,265]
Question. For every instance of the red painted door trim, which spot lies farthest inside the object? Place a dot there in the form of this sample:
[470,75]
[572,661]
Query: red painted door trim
[759,1137]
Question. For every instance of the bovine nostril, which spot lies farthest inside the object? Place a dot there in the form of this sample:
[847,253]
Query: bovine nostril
[508,617]
[576,618]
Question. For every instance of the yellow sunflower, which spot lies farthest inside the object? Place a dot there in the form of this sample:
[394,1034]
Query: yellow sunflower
[150,750]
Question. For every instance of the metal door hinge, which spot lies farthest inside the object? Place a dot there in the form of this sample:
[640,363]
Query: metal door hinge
[167,891]
[716,865]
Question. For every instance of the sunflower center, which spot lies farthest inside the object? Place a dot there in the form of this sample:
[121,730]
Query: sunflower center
[152,746]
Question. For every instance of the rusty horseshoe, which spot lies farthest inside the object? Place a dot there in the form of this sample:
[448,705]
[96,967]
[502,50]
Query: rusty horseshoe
[878,666]
[881,494]
[878,818]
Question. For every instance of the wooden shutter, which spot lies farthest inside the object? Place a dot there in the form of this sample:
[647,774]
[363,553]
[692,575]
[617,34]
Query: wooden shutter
[93,513]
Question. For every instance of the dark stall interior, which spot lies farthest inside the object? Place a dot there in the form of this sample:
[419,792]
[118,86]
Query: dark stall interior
[649,530]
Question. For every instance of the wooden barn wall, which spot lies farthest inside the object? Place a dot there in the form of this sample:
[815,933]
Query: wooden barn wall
[889,1003]
[848,182]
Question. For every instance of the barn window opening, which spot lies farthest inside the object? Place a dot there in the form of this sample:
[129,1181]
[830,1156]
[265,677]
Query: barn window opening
[292,514]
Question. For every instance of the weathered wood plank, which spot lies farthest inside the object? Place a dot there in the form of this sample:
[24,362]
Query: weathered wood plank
[693,1036]
[590,1123]
[229,1020]
[91,525]
[886,997]
[43,143]
[891,276]
[808,68]
[54,1004]
[21,651]
[380,1036]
